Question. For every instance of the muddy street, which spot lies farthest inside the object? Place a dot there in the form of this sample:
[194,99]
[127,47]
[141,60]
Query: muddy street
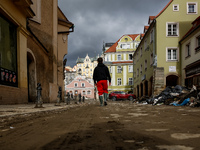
[118,126]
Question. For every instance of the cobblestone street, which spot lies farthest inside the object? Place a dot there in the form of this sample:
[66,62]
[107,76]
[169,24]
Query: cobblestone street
[121,125]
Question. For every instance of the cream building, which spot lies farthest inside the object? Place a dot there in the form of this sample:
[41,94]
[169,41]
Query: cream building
[85,66]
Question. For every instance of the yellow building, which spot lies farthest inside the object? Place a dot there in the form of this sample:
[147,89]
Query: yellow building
[119,60]
[33,39]
[85,66]
[157,61]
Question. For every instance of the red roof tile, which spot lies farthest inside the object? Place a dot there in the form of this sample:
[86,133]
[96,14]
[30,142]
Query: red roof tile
[164,9]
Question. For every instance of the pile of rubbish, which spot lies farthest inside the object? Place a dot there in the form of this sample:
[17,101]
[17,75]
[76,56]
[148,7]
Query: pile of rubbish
[177,96]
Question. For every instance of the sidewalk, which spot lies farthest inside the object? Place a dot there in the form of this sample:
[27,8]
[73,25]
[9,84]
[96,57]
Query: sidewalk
[18,109]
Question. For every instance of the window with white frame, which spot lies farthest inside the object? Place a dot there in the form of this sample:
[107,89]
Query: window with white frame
[75,84]
[175,7]
[198,44]
[172,54]
[145,65]
[119,81]
[125,46]
[88,92]
[187,50]
[151,36]
[119,69]
[130,56]
[172,29]
[110,69]
[84,93]
[130,68]
[151,59]
[145,44]
[119,57]
[130,81]
[82,84]
[192,8]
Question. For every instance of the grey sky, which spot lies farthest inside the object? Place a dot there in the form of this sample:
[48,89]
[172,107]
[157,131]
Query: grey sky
[104,20]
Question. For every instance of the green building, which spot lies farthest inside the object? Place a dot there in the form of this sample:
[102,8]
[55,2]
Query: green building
[157,60]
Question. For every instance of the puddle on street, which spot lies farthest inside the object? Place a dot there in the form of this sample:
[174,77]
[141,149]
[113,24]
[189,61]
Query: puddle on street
[174,147]
[157,130]
[183,136]
[137,114]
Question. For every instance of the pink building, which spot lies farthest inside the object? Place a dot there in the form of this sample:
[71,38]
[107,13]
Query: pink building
[81,85]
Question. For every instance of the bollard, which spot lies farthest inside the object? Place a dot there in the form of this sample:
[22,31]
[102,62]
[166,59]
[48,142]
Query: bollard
[67,98]
[59,96]
[39,96]
[79,96]
[83,99]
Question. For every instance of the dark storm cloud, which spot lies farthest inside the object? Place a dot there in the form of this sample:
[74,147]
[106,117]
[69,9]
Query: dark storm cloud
[104,20]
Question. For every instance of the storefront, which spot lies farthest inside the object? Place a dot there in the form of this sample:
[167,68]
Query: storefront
[192,72]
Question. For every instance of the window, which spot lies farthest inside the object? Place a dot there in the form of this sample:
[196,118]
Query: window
[8,53]
[88,92]
[119,69]
[175,7]
[130,81]
[137,72]
[187,50]
[119,57]
[151,59]
[172,29]
[125,46]
[198,44]
[130,56]
[84,93]
[119,81]
[151,36]
[145,65]
[141,69]
[75,84]
[141,52]
[172,54]
[110,69]
[82,84]
[192,8]
[130,68]
[145,44]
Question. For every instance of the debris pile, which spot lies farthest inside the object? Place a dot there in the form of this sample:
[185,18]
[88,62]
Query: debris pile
[177,96]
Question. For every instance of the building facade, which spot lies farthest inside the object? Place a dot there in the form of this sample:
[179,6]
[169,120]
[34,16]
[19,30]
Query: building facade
[81,85]
[157,60]
[39,46]
[190,56]
[13,50]
[85,66]
[119,60]
[70,75]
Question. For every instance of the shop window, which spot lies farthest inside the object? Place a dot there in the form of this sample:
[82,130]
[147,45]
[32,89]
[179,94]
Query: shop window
[8,53]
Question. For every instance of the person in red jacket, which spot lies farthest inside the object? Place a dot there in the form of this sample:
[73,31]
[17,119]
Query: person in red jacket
[101,76]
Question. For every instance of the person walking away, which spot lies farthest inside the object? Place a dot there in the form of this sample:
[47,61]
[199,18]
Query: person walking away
[100,76]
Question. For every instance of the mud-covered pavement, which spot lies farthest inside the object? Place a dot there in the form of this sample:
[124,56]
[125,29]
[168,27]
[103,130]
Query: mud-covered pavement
[118,126]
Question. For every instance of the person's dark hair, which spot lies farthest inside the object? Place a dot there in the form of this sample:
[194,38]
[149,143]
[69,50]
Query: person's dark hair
[100,60]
